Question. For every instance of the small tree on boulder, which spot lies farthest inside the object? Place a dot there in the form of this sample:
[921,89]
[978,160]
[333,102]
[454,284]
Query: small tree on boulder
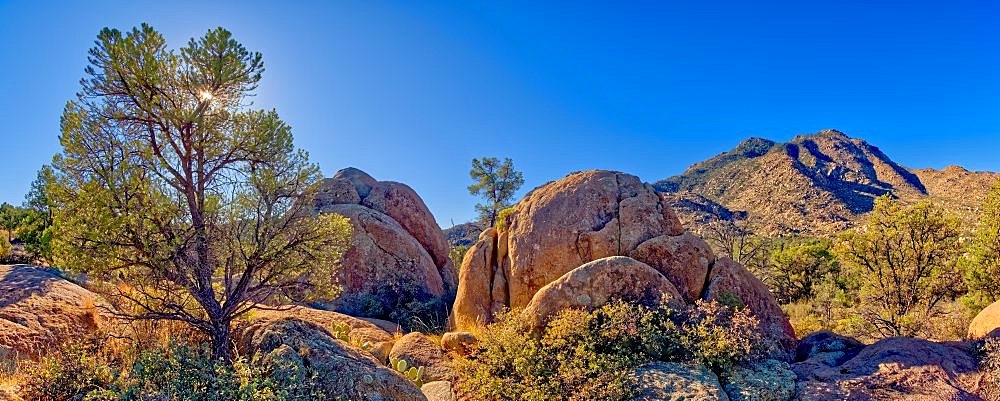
[496,182]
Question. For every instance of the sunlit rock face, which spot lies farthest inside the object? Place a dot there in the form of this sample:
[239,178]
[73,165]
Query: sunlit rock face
[565,224]
[398,253]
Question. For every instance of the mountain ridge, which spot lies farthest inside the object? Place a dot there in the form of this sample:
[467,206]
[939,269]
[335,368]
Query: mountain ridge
[816,184]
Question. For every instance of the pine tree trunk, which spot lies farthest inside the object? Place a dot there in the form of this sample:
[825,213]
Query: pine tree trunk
[221,342]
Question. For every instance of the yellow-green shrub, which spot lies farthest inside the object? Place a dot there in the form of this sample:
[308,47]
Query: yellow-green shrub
[79,371]
[583,355]
[74,370]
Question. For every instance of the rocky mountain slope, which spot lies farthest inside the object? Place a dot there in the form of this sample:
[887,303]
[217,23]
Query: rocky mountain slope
[815,184]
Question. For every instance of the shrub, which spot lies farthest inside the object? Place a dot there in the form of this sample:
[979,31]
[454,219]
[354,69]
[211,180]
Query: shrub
[189,373]
[5,248]
[583,355]
[79,372]
[457,255]
[720,337]
[989,365]
[397,298]
[69,374]
[903,260]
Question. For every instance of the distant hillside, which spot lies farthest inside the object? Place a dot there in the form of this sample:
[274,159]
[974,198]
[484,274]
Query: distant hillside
[464,234]
[816,184]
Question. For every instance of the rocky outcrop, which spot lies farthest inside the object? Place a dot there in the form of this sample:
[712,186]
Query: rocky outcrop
[667,381]
[986,323]
[360,331]
[729,280]
[768,380]
[398,253]
[891,369]
[557,229]
[339,369]
[598,283]
[419,350]
[39,309]
[582,217]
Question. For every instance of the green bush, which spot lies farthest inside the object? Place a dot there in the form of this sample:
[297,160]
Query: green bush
[583,355]
[398,299]
[189,373]
[720,337]
[69,374]
[78,372]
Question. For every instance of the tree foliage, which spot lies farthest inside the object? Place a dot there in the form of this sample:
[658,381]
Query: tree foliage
[797,267]
[982,262]
[36,228]
[10,219]
[171,188]
[903,262]
[495,182]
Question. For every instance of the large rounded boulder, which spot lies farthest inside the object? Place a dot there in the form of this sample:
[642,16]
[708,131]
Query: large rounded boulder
[598,283]
[731,282]
[684,259]
[40,309]
[398,253]
[986,323]
[583,217]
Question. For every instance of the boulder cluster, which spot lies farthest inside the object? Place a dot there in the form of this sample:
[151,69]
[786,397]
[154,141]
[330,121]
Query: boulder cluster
[592,237]
[398,253]
[579,242]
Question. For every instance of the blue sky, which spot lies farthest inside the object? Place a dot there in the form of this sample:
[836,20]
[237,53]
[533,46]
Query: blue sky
[412,91]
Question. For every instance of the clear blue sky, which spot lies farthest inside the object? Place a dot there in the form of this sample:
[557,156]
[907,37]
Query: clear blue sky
[412,91]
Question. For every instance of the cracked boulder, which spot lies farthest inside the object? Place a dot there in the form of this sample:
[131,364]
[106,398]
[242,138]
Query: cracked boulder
[398,253]
[587,216]
[582,217]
